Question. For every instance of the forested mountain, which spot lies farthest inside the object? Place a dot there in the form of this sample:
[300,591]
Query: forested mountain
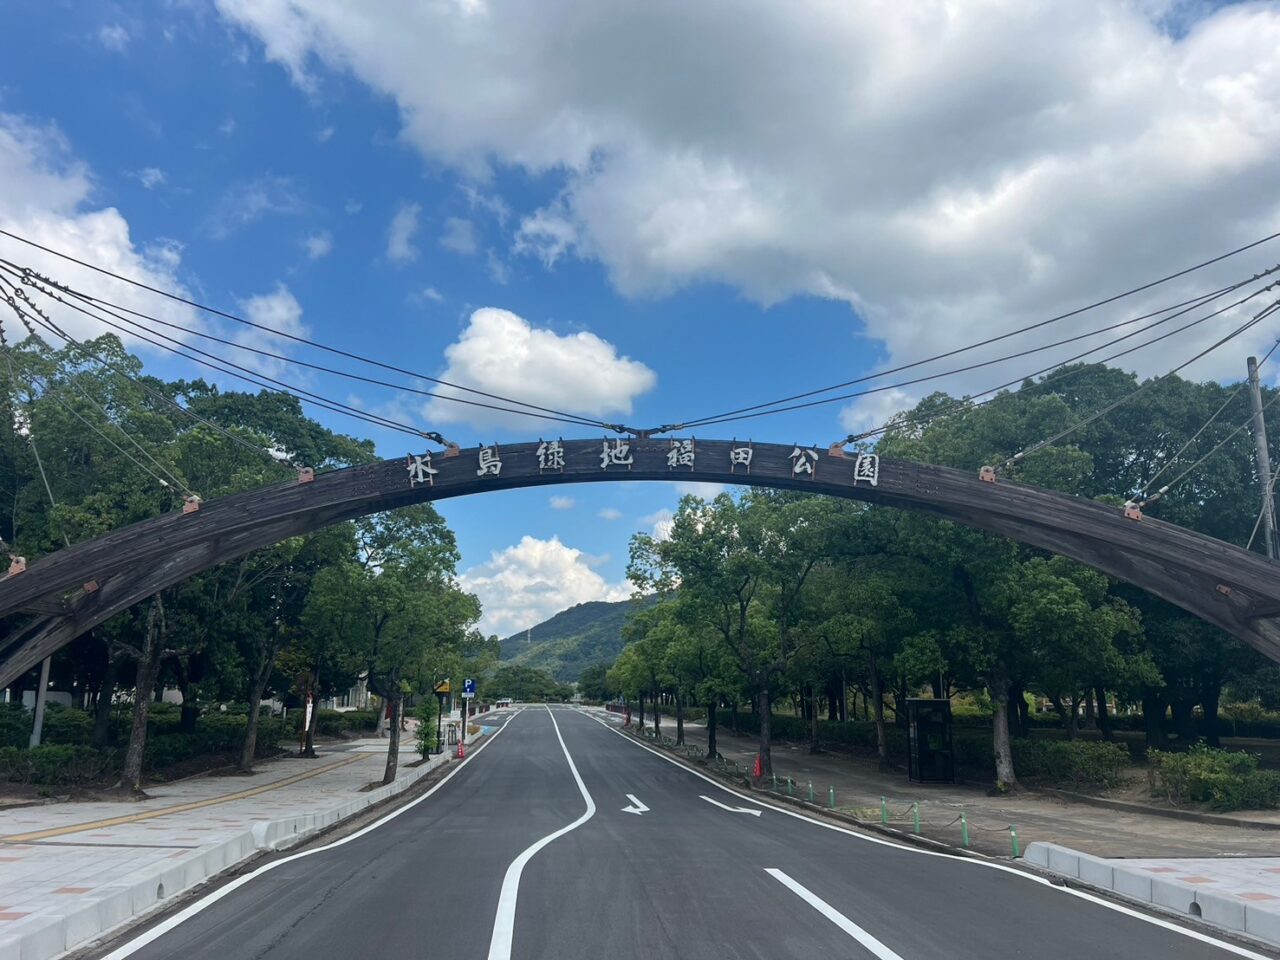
[573,639]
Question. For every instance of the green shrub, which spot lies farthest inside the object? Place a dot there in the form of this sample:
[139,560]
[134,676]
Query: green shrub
[61,764]
[15,725]
[66,725]
[1075,762]
[1224,779]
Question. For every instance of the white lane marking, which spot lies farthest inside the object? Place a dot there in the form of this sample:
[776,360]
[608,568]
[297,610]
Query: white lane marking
[164,926]
[835,916]
[1023,874]
[504,922]
[725,806]
[636,806]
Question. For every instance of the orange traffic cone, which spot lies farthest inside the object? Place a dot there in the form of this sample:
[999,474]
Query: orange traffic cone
[758,770]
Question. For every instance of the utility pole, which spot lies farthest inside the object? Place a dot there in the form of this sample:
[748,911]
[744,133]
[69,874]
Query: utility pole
[1263,460]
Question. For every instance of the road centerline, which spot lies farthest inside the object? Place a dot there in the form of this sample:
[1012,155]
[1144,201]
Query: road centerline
[835,916]
[504,920]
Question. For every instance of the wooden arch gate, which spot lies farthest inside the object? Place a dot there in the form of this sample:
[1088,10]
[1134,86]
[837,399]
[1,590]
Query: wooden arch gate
[74,589]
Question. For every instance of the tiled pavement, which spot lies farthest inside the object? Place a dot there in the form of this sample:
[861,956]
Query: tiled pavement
[71,870]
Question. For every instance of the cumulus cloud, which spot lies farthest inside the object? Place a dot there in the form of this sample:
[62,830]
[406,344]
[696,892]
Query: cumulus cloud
[948,170]
[46,195]
[459,236]
[504,354]
[707,491]
[659,523]
[404,226]
[318,244]
[427,295]
[562,503]
[610,513]
[113,37]
[278,310]
[533,580]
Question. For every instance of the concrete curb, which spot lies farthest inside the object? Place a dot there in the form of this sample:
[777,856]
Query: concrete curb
[1142,808]
[1184,900]
[154,885]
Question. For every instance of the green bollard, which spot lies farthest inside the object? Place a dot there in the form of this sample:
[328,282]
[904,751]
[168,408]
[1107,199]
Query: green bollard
[775,783]
[1013,841]
[964,832]
[811,791]
[790,788]
[831,797]
[884,811]
[915,812]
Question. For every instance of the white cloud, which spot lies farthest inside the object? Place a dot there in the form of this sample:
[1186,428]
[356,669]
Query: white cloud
[325,135]
[278,310]
[46,195]
[352,207]
[151,177]
[427,295]
[114,37]
[404,225]
[659,523]
[318,244]
[562,503]
[707,491]
[503,354]
[532,580]
[459,236]
[499,272]
[227,127]
[610,513]
[248,201]
[949,170]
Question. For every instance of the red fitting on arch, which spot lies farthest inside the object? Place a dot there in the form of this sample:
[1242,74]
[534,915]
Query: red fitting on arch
[1132,510]
[191,504]
[306,474]
[987,474]
[16,564]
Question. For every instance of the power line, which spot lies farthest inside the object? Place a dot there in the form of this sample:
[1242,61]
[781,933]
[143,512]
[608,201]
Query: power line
[125,375]
[1053,366]
[1012,333]
[96,302]
[297,338]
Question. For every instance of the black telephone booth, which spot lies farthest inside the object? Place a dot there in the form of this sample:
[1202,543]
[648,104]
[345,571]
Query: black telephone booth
[930,759]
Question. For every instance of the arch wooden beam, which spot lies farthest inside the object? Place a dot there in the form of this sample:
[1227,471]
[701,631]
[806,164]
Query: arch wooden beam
[1231,588]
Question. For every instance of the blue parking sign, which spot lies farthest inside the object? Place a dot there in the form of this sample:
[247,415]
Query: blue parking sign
[468,688]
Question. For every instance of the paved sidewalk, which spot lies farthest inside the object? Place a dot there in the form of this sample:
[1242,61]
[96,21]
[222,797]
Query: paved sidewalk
[859,785]
[70,871]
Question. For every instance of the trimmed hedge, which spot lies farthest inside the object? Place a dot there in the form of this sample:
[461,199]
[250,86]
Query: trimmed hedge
[55,764]
[1077,762]
[1224,779]
[334,723]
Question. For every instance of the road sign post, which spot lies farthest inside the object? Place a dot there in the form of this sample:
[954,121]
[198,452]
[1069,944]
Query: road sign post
[442,689]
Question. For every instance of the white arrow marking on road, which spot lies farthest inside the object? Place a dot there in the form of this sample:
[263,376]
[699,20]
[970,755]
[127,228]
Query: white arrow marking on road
[835,916]
[725,806]
[636,806]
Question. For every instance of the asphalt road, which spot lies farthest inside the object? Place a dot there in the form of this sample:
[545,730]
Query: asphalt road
[529,851]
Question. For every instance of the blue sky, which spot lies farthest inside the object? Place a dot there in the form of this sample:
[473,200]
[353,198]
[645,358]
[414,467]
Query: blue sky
[678,209]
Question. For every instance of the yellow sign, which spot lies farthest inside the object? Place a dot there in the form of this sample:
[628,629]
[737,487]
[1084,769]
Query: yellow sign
[443,687]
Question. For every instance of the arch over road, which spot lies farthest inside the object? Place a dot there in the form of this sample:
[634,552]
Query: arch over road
[75,589]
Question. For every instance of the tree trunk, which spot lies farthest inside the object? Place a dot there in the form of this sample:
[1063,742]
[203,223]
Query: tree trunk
[813,719]
[680,719]
[250,745]
[844,699]
[1060,709]
[1153,717]
[393,738]
[190,708]
[640,713]
[1210,697]
[877,694]
[1005,779]
[1090,715]
[1184,724]
[712,720]
[900,704]
[102,709]
[657,717]
[733,717]
[762,708]
[1104,716]
[833,704]
[148,670]
[309,744]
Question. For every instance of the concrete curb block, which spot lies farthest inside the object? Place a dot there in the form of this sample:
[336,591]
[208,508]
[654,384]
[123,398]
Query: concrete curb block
[158,883]
[1185,900]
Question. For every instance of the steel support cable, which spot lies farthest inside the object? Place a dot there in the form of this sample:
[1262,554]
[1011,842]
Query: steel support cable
[877,374]
[51,391]
[1053,366]
[957,406]
[1097,415]
[1204,426]
[1216,447]
[6,266]
[254,378]
[350,355]
[125,375]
